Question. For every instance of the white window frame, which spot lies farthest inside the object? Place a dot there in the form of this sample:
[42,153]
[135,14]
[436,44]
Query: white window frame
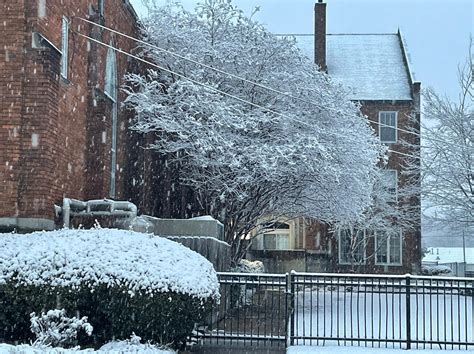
[364,245]
[64,46]
[383,125]
[388,262]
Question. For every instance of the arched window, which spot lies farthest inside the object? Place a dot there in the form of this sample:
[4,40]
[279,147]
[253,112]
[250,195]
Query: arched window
[110,89]
[275,236]
[111,74]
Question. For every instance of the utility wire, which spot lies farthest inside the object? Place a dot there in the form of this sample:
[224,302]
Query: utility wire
[241,78]
[205,85]
[205,65]
[244,79]
[229,74]
[184,77]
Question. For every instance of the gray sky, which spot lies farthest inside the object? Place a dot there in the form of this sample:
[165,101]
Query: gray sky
[436,31]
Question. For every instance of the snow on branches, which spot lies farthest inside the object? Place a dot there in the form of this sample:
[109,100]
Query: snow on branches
[448,153]
[245,149]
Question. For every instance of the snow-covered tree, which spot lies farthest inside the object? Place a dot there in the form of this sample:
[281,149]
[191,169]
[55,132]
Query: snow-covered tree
[448,153]
[247,150]
[394,209]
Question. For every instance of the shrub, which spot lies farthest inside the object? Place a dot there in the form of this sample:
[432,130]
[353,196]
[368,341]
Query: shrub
[439,270]
[55,329]
[122,281]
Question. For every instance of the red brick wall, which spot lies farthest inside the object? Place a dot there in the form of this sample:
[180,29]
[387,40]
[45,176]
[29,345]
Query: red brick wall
[411,247]
[12,44]
[68,116]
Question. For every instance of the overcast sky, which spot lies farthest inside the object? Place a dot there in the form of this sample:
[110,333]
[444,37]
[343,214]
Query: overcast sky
[436,31]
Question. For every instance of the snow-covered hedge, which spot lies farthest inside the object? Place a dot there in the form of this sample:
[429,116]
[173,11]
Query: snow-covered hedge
[246,266]
[104,256]
[122,281]
[436,270]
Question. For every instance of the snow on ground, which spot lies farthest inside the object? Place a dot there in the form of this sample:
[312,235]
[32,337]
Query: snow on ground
[105,256]
[362,350]
[114,347]
[434,317]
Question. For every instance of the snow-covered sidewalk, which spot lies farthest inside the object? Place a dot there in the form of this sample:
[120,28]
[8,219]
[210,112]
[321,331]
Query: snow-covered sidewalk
[364,350]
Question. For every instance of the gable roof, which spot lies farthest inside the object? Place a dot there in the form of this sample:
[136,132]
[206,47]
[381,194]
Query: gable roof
[373,66]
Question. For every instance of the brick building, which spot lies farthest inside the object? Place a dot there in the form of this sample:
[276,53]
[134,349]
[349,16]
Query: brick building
[375,68]
[62,132]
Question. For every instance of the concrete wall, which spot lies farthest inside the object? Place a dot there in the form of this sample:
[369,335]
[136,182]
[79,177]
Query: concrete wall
[286,261]
[203,236]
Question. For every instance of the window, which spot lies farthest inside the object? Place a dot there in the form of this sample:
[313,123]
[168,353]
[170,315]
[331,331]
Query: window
[111,74]
[276,236]
[388,248]
[110,89]
[390,183]
[64,47]
[388,127]
[352,246]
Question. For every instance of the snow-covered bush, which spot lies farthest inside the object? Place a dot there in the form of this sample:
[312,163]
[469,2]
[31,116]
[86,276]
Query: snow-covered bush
[123,281]
[441,270]
[241,295]
[246,266]
[55,329]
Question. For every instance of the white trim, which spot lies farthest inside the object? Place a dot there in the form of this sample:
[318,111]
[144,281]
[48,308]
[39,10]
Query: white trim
[388,263]
[384,126]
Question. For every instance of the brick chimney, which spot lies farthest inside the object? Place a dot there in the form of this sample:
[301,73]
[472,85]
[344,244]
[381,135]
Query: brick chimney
[320,34]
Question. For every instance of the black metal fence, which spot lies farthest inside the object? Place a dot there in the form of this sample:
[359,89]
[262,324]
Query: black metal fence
[253,309]
[341,309]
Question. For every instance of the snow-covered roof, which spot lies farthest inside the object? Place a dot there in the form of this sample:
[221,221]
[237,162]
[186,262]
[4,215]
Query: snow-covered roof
[371,65]
[449,255]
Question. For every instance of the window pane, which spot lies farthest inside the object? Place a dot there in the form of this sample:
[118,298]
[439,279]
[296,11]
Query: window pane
[269,241]
[351,246]
[395,244]
[381,247]
[387,120]
[282,241]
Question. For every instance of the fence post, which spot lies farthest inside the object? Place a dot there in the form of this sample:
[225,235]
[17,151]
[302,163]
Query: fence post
[290,308]
[408,311]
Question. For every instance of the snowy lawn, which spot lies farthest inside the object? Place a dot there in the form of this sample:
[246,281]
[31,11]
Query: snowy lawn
[382,315]
[362,350]
[106,256]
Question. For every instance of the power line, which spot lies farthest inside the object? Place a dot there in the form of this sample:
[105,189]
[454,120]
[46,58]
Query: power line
[230,74]
[183,76]
[250,81]
[205,65]
[208,86]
